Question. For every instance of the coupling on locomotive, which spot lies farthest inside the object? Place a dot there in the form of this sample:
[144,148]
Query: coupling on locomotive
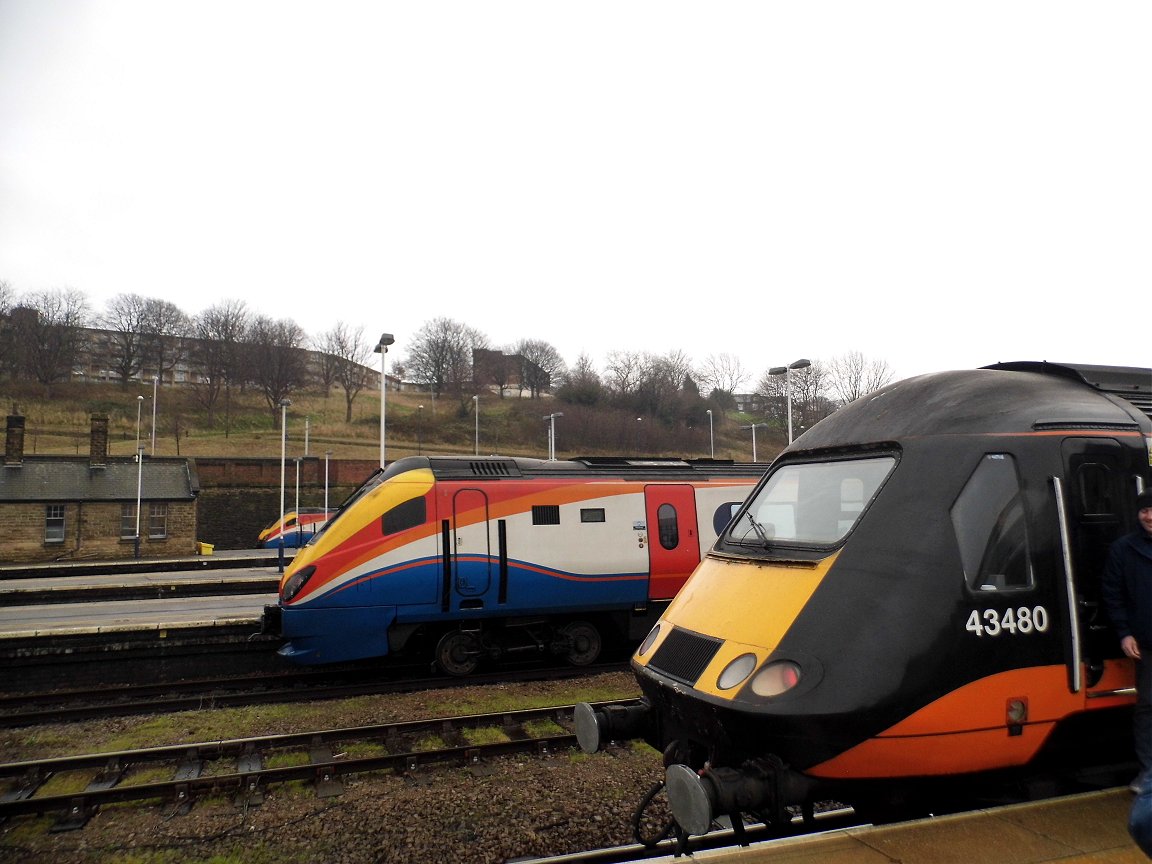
[910,595]
[462,560]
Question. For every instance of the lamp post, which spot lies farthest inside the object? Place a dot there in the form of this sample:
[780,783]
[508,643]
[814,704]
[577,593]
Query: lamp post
[420,429]
[786,371]
[284,403]
[139,477]
[551,418]
[476,410]
[381,348]
[155,381]
[753,428]
[711,439]
[327,456]
[299,527]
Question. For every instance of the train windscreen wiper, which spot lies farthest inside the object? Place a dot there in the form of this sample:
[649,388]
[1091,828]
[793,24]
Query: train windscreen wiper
[759,529]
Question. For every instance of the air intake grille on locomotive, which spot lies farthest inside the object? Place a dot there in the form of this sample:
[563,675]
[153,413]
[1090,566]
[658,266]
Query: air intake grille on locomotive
[685,655]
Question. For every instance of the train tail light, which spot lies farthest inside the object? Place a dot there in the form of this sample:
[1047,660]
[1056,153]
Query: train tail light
[775,678]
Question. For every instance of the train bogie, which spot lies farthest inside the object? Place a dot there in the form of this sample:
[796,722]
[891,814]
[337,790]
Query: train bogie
[911,594]
[481,558]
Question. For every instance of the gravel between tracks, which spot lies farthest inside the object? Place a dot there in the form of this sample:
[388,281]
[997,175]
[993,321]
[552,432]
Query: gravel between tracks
[503,809]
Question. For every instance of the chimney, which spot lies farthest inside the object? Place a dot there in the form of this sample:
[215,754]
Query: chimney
[99,458]
[14,443]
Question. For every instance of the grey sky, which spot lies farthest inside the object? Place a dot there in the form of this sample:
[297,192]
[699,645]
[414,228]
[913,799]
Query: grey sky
[936,185]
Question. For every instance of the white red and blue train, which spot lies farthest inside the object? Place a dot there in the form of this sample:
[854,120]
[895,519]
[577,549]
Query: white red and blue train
[468,559]
[909,599]
[294,528]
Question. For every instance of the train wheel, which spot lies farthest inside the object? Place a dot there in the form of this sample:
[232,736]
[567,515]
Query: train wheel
[458,653]
[583,642]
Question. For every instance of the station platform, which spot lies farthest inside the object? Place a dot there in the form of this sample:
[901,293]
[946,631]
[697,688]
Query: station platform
[1090,827]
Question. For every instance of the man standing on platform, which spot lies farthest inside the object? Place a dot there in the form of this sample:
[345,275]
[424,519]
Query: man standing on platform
[1128,596]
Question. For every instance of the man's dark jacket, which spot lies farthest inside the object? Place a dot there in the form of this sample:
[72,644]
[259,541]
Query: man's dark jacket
[1128,586]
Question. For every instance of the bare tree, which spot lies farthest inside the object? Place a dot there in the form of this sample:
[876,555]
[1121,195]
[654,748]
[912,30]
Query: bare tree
[276,359]
[852,375]
[582,384]
[48,334]
[124,316]
[7,348]
[441,356]
[165,327]
[722,372]
[219,332]
[543,367]
[350,355]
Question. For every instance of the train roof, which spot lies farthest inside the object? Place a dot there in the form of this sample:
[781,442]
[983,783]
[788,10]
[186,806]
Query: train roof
[584,467]
[1003,398]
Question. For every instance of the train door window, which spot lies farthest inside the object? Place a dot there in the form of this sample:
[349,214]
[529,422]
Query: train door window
[591,514]
[54,523]
[127,521]
[989,520]
[405,515]
[1095,485]
[545,514]
[158,521]
[668,526]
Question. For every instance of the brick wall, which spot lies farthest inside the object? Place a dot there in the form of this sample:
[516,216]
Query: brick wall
[92,531]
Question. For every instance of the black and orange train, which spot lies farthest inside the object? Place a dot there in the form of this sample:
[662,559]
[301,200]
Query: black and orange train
[908,598]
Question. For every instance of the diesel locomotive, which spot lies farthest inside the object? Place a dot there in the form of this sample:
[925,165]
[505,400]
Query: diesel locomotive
[909,598]
[468,559]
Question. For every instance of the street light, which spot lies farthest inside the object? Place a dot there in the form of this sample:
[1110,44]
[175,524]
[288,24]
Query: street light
[476,410]
[381,348]
[139,477]
[420,430]
[753,428]
[284,403]
[155,381]
[551,418]
[711,439]
[299,527]
[786,371]
[327,456]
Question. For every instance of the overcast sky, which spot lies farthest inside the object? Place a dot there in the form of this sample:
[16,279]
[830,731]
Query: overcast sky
[935,185]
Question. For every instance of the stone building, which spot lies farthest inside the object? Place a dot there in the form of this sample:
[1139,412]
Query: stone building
[57,508]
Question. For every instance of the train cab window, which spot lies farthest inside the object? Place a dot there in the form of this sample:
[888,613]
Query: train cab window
[591,514]
[668,526]
[812,503]
[405,515]
[989,520]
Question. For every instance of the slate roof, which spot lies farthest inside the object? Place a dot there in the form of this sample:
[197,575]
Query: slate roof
[64,478]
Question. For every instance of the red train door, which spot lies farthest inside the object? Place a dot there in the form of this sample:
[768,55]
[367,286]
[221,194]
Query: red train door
[673,540]
[471,545]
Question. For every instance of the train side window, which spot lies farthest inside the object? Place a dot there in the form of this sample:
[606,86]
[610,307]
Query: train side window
[989,520]
[668,526]
[545,514]
[723,516]
[405,515]
[591,514]
[1095,484]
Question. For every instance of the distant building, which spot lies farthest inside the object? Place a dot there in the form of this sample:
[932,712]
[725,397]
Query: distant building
[67,507]
[507,374]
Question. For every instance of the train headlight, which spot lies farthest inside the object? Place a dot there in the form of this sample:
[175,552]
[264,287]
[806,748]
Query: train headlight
[777,677]
[736,672]
[296,582]
[649,639]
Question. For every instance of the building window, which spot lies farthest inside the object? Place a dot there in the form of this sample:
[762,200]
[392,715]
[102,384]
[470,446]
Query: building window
[54,523]
[157,521]
[127,521]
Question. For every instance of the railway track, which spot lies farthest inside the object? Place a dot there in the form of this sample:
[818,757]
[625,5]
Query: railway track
[241,767]
[61,706]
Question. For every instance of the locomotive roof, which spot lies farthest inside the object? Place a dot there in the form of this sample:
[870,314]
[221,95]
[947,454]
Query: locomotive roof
[586,467]
[1005,398]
